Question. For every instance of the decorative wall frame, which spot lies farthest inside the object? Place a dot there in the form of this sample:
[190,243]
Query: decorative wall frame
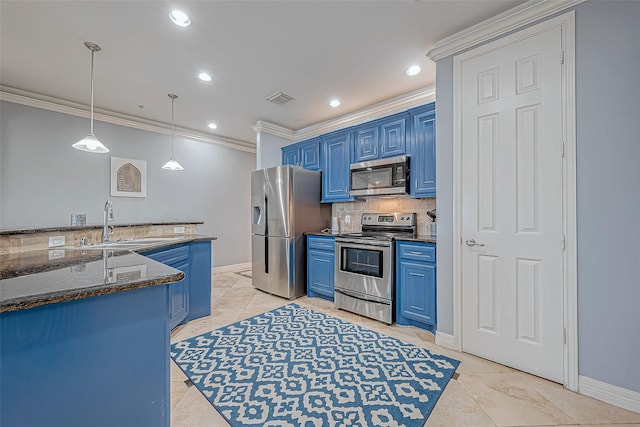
[128,177]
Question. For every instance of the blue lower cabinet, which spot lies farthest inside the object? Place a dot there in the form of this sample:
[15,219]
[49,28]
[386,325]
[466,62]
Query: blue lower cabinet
[190,298]
[199,280]
[320,266]
[416,285]
[101,361]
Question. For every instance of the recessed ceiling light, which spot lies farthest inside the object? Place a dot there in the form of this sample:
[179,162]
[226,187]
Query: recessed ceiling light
[180,18]
[204,77]
[413,70]
[334,103]
[213,126]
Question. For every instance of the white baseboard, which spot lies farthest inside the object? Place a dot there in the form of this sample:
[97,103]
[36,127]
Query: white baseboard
[445,340]
[233,267]
[627,399]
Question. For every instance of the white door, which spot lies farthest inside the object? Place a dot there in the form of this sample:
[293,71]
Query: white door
[512,279]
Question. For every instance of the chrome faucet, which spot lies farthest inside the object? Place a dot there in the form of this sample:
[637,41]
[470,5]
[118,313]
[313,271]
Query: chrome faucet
[108,217]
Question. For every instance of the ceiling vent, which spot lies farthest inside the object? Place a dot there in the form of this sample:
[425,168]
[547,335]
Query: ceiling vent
[280,98]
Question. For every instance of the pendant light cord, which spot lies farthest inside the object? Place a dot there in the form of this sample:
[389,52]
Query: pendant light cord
[173,131]
[92,52]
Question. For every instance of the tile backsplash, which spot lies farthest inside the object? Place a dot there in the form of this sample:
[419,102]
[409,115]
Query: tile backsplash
[17,243]
[382,205]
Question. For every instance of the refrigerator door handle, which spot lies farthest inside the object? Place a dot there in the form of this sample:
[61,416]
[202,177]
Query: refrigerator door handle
[266,208]
[266,255]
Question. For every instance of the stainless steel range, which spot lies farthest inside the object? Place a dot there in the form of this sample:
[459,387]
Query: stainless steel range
[364,271]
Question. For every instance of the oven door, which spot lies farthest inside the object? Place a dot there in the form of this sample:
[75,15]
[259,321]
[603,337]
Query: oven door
[364,268]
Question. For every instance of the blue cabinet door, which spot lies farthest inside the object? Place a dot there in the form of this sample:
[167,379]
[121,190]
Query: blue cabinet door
[336,150]
[381,138]
[366,143]
[310,154]
[423,152]
[416,284]
[179,297]
[199,280]
[417,291]
[393,135]
[178,292]
[291,155]
[320,266]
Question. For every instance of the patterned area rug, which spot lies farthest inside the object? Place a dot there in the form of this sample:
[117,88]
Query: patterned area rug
[294,366]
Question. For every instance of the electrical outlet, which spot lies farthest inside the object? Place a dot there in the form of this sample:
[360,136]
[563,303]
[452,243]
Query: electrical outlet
[347,219]
[78,219]
[178,230]
[56,241]
[56,254]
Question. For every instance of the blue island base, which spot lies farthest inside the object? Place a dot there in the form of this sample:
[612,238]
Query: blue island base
[99,361]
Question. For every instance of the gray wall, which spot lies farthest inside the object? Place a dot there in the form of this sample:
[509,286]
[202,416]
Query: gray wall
[43,180]
[444,192]
[608,202]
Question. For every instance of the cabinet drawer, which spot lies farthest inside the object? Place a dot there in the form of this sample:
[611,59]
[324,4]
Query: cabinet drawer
[417,252]
[321,243]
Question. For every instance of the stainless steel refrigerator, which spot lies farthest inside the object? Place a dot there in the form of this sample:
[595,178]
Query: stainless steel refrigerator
[285,202]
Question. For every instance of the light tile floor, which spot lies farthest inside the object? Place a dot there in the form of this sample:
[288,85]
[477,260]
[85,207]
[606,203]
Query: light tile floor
[485,393]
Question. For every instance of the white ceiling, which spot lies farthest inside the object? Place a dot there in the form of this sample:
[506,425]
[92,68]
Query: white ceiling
[312,50]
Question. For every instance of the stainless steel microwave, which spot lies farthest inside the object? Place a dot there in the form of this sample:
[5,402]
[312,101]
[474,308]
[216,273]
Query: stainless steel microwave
[380,177]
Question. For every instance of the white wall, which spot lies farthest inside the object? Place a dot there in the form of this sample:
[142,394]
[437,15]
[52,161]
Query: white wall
[43,180]
[608,173]
[269,152]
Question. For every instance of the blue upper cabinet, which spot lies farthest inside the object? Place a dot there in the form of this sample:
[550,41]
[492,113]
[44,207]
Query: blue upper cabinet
[366,144]
[310,154]
[423,151]
[411,132]
[381,138]
[393,134]
[291,155]
[305,154]
[336,149]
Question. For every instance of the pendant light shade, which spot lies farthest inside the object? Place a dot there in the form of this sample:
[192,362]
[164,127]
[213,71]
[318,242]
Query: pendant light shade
[90,143]
[172,164]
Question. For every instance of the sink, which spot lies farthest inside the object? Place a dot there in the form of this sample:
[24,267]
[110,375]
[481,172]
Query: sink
[126,244]
[147,240]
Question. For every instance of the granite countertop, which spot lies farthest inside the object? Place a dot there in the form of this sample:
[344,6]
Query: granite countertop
[31,230]
[319,233]
[425,238]
[35,278]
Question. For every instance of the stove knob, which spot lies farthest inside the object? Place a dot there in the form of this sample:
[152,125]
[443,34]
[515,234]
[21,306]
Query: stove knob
[401,218]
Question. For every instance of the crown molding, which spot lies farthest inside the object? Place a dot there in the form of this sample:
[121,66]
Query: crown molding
[273,129]
[376,111]
[44,102]
[498,25]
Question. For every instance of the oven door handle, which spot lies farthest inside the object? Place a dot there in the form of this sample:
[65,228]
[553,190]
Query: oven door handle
[357,244]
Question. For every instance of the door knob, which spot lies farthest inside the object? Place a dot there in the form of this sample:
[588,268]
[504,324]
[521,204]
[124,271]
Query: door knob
[471,243]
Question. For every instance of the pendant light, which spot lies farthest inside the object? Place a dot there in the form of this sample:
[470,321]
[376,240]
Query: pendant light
[172,164]
[90,143]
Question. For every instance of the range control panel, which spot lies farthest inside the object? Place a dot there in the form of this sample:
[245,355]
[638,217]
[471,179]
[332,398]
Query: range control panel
[389,219]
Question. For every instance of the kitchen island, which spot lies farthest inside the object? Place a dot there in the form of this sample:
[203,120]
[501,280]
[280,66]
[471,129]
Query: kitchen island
[84,337]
